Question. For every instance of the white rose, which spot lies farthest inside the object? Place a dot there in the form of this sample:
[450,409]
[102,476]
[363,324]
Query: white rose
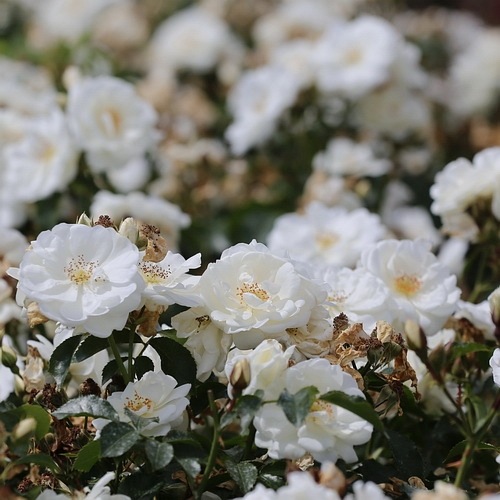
[155,395]
[110,122]
[253,294]
[82,276]
[495,366]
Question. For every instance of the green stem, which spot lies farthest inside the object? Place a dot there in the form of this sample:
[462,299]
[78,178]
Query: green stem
[249,442]
[214,448]
[473,440]
[119,361]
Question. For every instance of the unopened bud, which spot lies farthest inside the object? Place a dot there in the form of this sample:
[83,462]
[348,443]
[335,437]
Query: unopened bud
[85,220]
[129,228]
[240,376]
[35,317]
[23,428]
[415,338]
[9,358]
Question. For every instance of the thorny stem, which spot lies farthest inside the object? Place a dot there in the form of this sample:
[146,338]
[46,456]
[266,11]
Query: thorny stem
[119,361]
[214,448]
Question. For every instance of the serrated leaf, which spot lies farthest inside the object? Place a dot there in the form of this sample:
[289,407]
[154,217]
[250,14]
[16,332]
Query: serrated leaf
[243,473]
[191,466]
[39,414]
[355,404]
[111,369]
[296,406]
[88,456]
[245,409]
[271,481]
[176,360]
[92,406]
[117,438]
[137,421]
[89,347]
[159,454]
[61,358]
[142,365]
[142,486]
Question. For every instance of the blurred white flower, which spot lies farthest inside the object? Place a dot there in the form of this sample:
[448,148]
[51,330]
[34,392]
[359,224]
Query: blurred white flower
[155,395]
[82,276]
[452,254]
[253,294]
[344,157]
[354,57]
[462,183]
[364,491]
[324,235]
[495,366]
[167,281]
[207,343]
[441,491]
[421,288]
[256,102]
[328,432]
[110,121]
[191,39]
[268,362]
[131,176]
[475,75]
[43,161]
[302,485]
[166,216]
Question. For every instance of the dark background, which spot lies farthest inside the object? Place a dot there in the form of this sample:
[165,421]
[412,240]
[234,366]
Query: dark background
[488,10]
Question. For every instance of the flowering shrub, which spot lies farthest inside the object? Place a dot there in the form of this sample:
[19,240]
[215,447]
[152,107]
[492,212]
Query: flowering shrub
[248,249]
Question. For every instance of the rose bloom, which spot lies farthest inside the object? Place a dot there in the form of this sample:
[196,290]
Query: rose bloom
[167,281]
[355,57]
[82,276]
[253,294]
[324,235]
[441,491]
[43,161]
[495,366]
[420,287]
[363,491]
[328,432]
[207,343]
[155,395]
[110,121]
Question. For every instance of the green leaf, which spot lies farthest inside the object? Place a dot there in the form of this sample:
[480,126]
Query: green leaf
[111,369]
[176,360]
[142,365]
[355,404]
[117,438]
[92,406]
[159,454]
[142,486]
[61,358]
[39,414]
[40,459]
[296,406]
[459,448]
[89,347]
[245,409]
[88,456]
[137,421]
[243,473]
[191,466]
[459,350]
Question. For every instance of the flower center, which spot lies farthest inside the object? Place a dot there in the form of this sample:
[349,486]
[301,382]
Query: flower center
[138,402]
[321,409]
[407,284]
[353,56]
[154,274]
[79,270]
[324,241]
[111,122]
[254,289]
